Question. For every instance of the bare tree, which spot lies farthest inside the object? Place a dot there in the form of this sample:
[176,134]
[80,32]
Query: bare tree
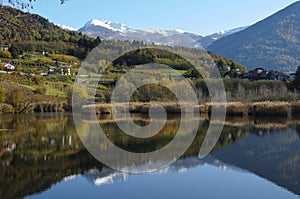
[23,3]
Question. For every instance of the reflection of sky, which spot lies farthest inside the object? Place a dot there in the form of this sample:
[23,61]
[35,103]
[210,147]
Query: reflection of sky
[205,181]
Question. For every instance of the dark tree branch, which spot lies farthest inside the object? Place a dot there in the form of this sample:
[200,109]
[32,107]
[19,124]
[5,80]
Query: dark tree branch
[23,3]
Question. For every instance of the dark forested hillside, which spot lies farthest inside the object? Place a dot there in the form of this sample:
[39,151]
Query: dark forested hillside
[30,32]
[273,43]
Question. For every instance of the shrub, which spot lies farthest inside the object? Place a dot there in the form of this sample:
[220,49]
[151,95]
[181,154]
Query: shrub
[5,54]
[17,100]
[40,90]
[38,80]
[6,108]
[2,95]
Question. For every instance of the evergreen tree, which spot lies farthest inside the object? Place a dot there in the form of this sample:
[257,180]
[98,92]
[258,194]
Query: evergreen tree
[15,51]
[296,82]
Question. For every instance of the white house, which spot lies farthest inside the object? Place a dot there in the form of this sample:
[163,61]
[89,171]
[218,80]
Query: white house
[4,47]
[9,66]
[65,70]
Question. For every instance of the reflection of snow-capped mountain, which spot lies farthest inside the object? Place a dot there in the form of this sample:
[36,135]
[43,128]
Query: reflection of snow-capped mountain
[110,30]
[110,176]
[70,178]
[105,176]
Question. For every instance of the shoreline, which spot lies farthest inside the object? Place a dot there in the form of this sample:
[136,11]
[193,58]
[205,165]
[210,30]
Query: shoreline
[265,108]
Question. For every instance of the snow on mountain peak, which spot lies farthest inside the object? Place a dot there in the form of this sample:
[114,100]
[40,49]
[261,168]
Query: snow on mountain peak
[180,31]
[106,29]
[68,28]
[156,30]
[231,31]
[122,28]
[118,27]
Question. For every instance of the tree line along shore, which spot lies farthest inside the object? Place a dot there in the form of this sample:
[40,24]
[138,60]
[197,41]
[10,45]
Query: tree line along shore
[23,91]
[21,94]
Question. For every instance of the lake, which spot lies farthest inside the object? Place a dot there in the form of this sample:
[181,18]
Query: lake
[42,156]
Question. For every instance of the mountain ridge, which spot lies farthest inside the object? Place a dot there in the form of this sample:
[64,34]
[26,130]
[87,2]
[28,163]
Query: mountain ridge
[106,29]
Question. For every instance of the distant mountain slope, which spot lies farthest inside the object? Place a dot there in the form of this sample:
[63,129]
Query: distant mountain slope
[110,30]
[208,40]
[273,43]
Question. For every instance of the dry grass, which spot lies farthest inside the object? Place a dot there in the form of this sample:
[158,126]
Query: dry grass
[237,108]
[265,108]
[6,108]
[136,107]
[98,108]
[45,107]
[270,109]
[232,108]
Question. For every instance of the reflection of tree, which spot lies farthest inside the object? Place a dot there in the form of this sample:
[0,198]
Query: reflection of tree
[298,130]
[24,178]
[49,149]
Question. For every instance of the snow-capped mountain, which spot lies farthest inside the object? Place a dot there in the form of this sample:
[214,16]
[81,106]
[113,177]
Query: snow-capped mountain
[116,27]
[65,27]
[110,30]
[206,41]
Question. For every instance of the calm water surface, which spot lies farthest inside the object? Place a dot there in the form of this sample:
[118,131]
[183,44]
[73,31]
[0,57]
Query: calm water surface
[42,156]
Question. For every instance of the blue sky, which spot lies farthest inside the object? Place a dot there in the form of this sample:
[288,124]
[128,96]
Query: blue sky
[198,16]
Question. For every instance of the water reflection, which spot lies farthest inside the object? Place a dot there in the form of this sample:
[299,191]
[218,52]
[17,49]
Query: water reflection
[40,150]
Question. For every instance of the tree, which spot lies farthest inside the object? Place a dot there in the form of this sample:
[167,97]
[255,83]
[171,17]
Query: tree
[18,100]
[296,82]
[15,51]
[2,95]
[5,54]
[23,3]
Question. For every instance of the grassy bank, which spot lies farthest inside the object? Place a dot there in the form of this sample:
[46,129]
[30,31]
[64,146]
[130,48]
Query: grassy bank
[37,107]
[232,108]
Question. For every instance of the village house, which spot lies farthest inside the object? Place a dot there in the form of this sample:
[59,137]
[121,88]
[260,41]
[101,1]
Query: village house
[262,74]
[271,75]
[65,69]
[44,53]
[227,68]
[50,71]
[4,47]
[9,67]
[282,77]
